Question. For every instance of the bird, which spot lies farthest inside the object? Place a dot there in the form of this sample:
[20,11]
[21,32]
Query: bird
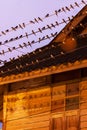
[40,30]
[36,20]
[56,12]
[71,6]
[52,25]
[20,46]
[64,20]
[7,30]
[9,49]
[57,23]
[29,43]
[63,9]
[49,26]
[43,28]
[67,8]
[20,26]
[76,4]
[40,19]
[20,36]
[23,25]
[26,34]
[11,39]
[32,22]
[13,28]
[47,15]
[3,32]
[33,32]
[83,2]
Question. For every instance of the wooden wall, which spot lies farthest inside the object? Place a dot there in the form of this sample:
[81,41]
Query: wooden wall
[40,104]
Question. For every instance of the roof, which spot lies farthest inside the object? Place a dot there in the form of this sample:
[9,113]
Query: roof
[69,46]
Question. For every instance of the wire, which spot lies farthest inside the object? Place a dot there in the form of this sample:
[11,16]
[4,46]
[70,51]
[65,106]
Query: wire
[46,59]
[36,20]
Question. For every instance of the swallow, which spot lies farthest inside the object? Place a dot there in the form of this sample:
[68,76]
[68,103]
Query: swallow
[76,4]
[40,19]
[47,15]
[9,49]
[13,28]
[36,20]
[26,35]
[29,43]
[23,25]
[67,8]
[33,32]
[32,22]
[56,12]
[64,20]
[49,26]
[71,6]
[3,32]
[57,23]
[63,9]
[40,30]
[83,2]
[20,46]
[20,26]
[7,30]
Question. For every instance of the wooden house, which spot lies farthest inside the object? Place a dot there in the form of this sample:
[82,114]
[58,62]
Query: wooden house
[47,89]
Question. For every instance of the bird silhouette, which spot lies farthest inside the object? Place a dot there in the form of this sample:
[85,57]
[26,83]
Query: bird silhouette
[40,19]
[47,15]
[32,22]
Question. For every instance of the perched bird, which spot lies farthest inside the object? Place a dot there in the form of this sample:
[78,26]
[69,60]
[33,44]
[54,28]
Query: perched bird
[6,41]
[23,25]
[52,25]
[20,46]
[71,6]
[47,36]
[7,30]
[64,21]
[40,30]
[33,32]
[26,34]
[47,15]
[13,28]
[29,43]
[11,39]
[76,4]
[83,2]
[57,23]
[43,28]
[40,19]
[40,40]
[63,9]
[59,10]
[3,32]
[20,36]
[67,8]
[48,26]
[36,20]
[9,49]
[20,26]
[32,22]
[56,12]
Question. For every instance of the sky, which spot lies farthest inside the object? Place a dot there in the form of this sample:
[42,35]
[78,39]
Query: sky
[15,12]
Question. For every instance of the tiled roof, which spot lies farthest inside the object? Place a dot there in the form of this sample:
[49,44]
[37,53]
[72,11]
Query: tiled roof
[52,54]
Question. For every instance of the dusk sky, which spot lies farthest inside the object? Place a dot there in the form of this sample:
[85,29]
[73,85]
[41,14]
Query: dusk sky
[15,12]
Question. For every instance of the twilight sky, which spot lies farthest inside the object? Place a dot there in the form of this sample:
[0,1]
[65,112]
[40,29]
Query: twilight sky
[15,12]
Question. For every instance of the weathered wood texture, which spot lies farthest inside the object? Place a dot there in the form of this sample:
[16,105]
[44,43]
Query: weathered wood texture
[29,106]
